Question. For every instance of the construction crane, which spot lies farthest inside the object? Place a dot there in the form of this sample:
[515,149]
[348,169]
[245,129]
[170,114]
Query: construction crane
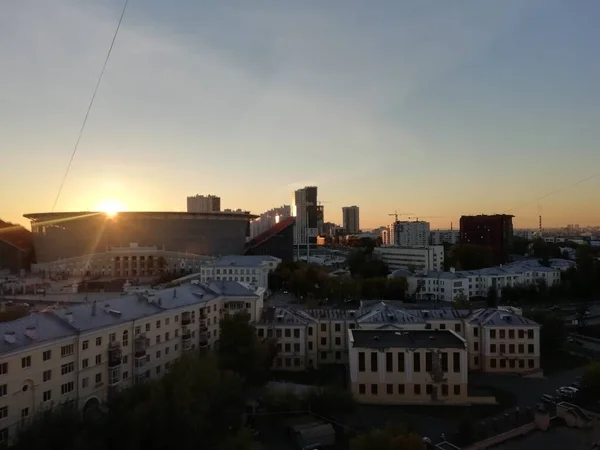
[425,217]
[396,214]
[319,202]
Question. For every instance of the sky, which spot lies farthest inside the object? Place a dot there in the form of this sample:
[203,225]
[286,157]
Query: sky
[432,108]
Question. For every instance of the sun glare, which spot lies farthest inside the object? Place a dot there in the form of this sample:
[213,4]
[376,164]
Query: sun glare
[110,207]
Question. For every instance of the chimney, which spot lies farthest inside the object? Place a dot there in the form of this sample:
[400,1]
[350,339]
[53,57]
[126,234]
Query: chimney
[69,315]
[94,308]
[31,332]
[9,337]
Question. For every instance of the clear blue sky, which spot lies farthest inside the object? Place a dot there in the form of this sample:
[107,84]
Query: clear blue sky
[432,107]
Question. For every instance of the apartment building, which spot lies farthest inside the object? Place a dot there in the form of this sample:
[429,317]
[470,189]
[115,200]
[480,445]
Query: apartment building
[389,366]
[446,286]
[420,258]
[407,234]
[203,204]
[310,338]
[250,269]
[441,237]
[351,219]
[83,353]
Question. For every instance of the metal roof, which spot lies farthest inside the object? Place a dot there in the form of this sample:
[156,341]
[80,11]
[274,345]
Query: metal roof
[381,339]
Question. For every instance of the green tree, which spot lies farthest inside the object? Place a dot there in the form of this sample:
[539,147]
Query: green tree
[461,302]
[240,350]
[552,332]
[471,257]
[590,383]
[366,265]
[492,297]
[396,288]
[389,438]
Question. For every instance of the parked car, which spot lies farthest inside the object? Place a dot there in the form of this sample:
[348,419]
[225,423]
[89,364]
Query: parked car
[548,399]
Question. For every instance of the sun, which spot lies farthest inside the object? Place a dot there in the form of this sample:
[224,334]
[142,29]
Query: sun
[110,207]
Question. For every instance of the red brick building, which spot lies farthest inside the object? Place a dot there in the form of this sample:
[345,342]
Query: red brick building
[495,231]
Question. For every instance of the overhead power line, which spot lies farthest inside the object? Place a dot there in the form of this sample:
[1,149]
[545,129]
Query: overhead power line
[89,108]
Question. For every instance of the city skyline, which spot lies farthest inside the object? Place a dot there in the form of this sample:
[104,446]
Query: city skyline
[435,109]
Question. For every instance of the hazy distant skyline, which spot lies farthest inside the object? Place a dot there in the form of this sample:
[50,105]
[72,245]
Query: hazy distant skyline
[435,108]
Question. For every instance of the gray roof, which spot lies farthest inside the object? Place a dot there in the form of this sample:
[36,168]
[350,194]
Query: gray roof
[495,317]
[400,273]
[285,316]
[242,260]
[230,288]
[382,339]
[48,327]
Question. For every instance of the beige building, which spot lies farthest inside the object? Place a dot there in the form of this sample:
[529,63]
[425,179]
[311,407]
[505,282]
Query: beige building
[389,366]
[83,353]
[309,338]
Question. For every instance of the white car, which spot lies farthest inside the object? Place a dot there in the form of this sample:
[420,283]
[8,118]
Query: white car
[566,391]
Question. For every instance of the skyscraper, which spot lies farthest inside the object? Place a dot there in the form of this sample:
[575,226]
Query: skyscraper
[309,216]
[351,222]
[409,234]
[494,231]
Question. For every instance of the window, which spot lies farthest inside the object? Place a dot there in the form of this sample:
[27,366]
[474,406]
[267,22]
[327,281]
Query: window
[456,362]
[476,332]
[310,345]
[4,412]
[416,362]
[389,388]
[26,362]
[112,337]
[457,327]
[167,320]
[98,359]
[361,361]
[521,334]
[4,435]
[157,354]
[476,346]
[158,323]
[125,338]
[373,389]
[147,327]
[323,355]
[511,348]
[86,344]
[530,363]
[157,370]
[401,389]
[3,390]
[389,362]
[338,341]
[493,363]
[444,362]
[47,355]
[323,341]
[67,368]
[261,332]
[492,334]
[296,333]
[428,389]
[493,348]
[47,396]
[98,341]
[476,360]
[401,362]
[47,375]
[288,348]
[428,362]
[297,348]
[3,368]
[530,348]
[521,364]
[323,327]
[503,364]
[98,378]
[502,334]
[374,357]
[176,318]
[85,363]
[338,355]
[288,333]
[85,382]
[158,338]
[457,389]
[521,348]
[502,348]
[445,390]
[417,389]
[166,351]
[278,333]
[310,331]
[24,413]
[529,334]
[511,334]
[442,326]
[67,387]
[361,389]
[338,327]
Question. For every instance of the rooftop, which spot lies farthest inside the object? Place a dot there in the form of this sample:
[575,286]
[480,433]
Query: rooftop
[242,260]
[156,214]
[495,317]
[382,339]
[45,327]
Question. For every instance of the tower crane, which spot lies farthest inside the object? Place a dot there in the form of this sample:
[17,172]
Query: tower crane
[425,217]
[396,214]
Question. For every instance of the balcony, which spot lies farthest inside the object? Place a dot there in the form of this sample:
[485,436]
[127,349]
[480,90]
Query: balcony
[203,338]
[114,354]
[186,319]
[114,377]
[140,345]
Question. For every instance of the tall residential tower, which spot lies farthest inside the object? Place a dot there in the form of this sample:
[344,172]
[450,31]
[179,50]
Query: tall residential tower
[351,222]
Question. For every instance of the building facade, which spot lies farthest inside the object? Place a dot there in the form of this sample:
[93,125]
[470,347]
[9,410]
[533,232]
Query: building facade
[277,241]
[407,234]
[82,354]
[351,219]
[269,219]
[203,204]
[408,367]
[310,338]
[16,247]
[419,258]
[494,231]
[441,237]
[309,216]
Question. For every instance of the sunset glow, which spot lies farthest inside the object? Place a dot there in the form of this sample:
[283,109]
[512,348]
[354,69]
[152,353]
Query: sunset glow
[110,207]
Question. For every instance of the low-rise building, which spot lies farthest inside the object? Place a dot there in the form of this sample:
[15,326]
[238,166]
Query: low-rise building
[441,237]
[313,337]
[420,258]
[83,353]
[389,366]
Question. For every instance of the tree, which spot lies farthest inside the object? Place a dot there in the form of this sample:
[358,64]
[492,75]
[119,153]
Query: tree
[461,302]
[389,438]
[590,383]
[552,332]
[396,288]
[240,350]
[471,257]
[492,297]
[366,265]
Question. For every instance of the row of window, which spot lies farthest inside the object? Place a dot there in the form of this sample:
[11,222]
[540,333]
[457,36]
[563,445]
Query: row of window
[438,359]
[401,389]
[511,363]
[511,334]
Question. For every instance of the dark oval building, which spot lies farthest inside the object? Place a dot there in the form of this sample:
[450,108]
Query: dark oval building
[71,234]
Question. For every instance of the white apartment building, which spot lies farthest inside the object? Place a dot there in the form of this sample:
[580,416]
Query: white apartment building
[203,204]
[83,353]
[309,338]
[420,258]
[351,219]
[268,219]
[249,269]
[441,237]
[446,286]
[132,261]
[407,234]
